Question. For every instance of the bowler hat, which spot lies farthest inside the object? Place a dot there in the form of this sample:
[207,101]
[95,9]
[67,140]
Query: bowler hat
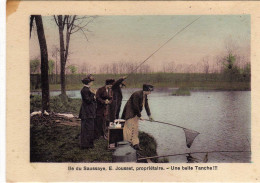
[110,81]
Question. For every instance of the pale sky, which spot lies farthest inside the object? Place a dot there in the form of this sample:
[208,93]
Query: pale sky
[134,38]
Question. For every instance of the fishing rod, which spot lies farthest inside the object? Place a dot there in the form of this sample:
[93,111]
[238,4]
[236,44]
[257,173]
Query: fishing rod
[169,124]
[199,152]
[161,47]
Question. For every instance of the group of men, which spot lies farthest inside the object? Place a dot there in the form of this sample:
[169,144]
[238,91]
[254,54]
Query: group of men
[100,108]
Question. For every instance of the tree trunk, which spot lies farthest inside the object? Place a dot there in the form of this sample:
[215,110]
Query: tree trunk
[56,79]
[44,64]
[62,58]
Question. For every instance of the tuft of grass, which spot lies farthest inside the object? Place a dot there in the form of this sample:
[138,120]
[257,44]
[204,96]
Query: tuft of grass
[181,92]
[148,145]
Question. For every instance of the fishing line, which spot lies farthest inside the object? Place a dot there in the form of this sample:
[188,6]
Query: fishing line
[190,135]
[166,123]
[162,46]
[199,152]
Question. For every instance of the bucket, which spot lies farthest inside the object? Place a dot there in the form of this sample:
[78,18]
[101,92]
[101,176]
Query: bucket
[124,153]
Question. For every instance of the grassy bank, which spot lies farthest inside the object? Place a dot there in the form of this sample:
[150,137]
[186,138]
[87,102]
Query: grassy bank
[57,105]
[55,142]
[191,81]
[207,85]
[181,92]
[60,143]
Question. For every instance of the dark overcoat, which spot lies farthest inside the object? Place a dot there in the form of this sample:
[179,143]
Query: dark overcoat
[117,99]
[101,97]
[117,92]
[134,106]
[87,115]
[88,106]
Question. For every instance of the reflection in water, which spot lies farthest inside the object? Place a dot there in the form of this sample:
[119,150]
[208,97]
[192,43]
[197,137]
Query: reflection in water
[191,159]
[221,118]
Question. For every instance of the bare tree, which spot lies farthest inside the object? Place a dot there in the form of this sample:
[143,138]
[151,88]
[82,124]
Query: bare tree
[55,53]
[231,45]
[44,61]
[206,65]
[83,68]
[72,24]
[114,68]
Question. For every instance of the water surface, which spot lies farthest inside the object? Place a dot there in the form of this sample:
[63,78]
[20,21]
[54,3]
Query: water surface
[223,119]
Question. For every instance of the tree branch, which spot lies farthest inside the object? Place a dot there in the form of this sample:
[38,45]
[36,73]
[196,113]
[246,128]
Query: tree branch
[31,23]
[56,20]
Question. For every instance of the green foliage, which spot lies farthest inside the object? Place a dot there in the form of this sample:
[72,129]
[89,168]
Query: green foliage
[181,92]
[73,69]
[51,66]
[34,66]
[247,72]
[231,71]
[247,69]
[229,61]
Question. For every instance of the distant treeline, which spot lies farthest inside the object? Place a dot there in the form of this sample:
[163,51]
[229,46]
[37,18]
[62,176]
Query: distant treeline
[236,81]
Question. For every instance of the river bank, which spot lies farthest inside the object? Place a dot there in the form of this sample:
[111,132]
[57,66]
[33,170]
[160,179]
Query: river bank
[53,140]
[190,81]
[192,86]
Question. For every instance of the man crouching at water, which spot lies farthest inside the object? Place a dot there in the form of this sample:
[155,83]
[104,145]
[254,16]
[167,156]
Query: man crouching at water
[132,114]
[87,113]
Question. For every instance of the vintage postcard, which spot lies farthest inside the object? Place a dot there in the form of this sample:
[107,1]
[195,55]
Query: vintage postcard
[132,91]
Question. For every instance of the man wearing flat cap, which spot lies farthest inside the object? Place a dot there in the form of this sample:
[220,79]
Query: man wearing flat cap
[132,114]
[104,98]
[87,113]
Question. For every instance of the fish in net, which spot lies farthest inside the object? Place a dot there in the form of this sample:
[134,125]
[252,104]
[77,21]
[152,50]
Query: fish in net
[190,136]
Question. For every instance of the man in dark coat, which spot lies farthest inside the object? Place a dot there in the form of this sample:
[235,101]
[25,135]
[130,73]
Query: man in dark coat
[132,114]
[104,98]
[117,98]
[87,114]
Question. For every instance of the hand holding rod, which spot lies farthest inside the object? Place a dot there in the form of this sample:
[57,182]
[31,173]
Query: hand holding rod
[168,124]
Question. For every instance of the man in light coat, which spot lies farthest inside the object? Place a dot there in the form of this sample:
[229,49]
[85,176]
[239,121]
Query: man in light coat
[132,114]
